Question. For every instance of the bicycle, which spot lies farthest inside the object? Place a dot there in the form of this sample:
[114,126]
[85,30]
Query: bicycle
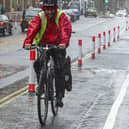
[46,83]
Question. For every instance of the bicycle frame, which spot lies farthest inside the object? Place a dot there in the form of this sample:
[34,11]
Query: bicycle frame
[47,60]
[48,76]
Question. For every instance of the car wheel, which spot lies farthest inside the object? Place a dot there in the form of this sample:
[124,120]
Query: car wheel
[10,31]
[23,30]
[7,30]
[3,32]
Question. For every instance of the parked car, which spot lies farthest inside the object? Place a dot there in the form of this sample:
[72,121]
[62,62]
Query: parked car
[28,15]
[90,12]
[122,13]
[77,13]
[111,15]
[71,14]
[5,25]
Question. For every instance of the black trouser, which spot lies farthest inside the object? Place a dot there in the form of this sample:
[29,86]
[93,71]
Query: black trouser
[59,61]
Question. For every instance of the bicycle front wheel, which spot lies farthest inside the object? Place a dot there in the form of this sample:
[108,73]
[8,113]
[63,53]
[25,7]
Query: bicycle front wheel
[51,81]
[42,99]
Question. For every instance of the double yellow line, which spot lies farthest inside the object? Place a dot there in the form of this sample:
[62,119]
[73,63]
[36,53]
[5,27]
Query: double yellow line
[12,96]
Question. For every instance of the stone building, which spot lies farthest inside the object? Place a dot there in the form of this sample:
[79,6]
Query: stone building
[112,5]
[17,5]
[20,5]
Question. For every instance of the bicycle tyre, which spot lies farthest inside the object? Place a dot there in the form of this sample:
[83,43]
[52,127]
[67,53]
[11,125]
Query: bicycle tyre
[42,99]
[51,78]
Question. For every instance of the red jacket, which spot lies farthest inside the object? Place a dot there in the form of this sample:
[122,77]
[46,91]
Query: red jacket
[52,34]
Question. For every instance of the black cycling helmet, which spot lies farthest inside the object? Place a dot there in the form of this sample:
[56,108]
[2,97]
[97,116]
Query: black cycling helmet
[50,3]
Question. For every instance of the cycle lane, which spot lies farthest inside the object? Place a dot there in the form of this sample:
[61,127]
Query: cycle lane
[115,61]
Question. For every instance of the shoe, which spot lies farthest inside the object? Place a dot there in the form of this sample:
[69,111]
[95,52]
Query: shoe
[59,102]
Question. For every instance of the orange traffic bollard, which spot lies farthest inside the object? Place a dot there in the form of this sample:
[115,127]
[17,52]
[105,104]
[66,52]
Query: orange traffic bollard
[93,53]
[80,53]
[99,37]
[32,72]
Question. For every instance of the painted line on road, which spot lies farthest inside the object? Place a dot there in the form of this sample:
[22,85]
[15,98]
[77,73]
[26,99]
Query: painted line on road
[109,124]
[85,114]
[12,96]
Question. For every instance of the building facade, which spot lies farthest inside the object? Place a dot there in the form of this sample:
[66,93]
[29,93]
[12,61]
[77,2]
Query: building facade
[18,5]
[112,5]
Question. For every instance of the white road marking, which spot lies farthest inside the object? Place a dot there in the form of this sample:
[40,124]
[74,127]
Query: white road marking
[109,124]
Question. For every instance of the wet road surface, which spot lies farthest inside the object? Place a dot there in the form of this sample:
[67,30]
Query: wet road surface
[96,87]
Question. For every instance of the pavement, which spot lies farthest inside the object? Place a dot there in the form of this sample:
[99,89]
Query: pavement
[96,85]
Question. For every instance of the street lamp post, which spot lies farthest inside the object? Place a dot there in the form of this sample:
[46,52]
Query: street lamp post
[80,5]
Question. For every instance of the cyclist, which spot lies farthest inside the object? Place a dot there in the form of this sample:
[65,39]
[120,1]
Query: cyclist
[51,26]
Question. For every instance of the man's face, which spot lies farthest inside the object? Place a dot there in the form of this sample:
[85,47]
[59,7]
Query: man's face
[50,12]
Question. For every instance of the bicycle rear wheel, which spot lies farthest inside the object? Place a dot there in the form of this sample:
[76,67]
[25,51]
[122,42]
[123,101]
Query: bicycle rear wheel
[42,99]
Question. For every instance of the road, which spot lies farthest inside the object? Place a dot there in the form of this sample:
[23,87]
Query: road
[99,99]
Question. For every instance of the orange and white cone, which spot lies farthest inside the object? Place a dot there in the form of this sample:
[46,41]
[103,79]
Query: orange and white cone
[126,28]
[99,37]
[114,38]
[80,53]
[109,38]
[104,40]
[118,35]
[15,24]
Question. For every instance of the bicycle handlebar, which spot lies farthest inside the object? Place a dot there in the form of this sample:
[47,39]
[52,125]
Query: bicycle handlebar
[44,47]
